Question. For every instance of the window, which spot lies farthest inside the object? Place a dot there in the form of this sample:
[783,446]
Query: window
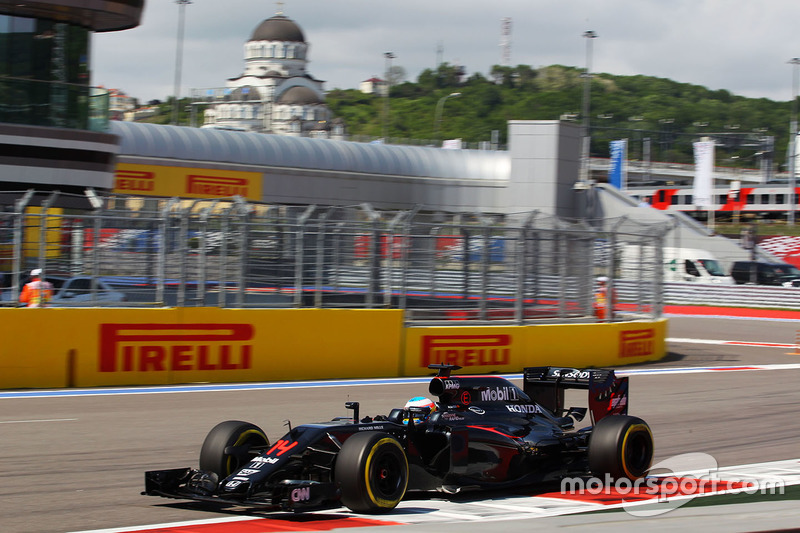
[764,199]
[780,199]
[687,200]
[46,51]
[674,199]
[751,198]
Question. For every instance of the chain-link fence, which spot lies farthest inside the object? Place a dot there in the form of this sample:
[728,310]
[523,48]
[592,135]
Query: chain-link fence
[474,268]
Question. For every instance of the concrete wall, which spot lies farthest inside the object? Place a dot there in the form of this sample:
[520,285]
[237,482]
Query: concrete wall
[545,164]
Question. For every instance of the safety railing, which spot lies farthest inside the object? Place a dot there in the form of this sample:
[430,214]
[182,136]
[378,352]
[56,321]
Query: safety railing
[478,268]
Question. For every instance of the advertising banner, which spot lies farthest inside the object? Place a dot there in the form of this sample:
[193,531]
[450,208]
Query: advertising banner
[186,182]
[703,173]
[618,172]
[164,346]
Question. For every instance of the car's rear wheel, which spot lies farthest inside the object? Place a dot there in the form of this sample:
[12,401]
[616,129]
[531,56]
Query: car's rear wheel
[621,446]
[372,470]
[230,445]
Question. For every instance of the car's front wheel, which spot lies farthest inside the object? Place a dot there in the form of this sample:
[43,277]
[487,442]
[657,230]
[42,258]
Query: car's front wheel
[372,470]
[621,446]
[230,445]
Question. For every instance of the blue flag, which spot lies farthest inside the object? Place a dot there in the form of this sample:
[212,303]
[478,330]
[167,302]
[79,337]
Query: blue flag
[617,173]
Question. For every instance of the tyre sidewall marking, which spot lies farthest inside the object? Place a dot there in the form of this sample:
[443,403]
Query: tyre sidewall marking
[239,441]
[380,501]
[631,430]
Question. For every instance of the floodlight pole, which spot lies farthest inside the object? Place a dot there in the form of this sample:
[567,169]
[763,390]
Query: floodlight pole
[389,56]
[179,58]
[437,120]
[795,62]
[587,84]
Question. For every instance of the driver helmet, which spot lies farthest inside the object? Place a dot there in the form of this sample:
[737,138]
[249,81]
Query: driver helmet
[421,401]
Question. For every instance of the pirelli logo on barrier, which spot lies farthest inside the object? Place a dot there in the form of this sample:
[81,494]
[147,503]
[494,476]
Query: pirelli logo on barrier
[205,185]
[175,347]
[134,181]
[466,350]
[637,343]
[186,182]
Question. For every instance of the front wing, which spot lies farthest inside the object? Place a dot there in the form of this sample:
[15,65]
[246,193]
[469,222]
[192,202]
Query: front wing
[287,495]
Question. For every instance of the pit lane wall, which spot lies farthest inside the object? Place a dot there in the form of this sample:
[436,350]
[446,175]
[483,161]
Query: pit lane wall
[56,347]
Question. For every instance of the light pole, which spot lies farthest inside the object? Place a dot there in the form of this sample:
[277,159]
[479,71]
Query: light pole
[179,58]
[795,61]
[587,84]
[437,117]
[389,56]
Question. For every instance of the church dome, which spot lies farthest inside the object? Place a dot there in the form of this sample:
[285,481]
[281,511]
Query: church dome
[278,28]
[299,96]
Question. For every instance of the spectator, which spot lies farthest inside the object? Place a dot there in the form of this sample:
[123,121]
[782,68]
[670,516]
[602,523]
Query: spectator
[37,292]
[603,305]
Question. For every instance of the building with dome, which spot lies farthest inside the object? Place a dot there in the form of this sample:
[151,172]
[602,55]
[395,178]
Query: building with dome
[275,93]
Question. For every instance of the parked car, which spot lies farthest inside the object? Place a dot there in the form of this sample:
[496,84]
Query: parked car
[76,292]
[762,273]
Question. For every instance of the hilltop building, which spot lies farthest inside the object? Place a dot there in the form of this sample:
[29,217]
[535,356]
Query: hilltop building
[374,85]
[275,93]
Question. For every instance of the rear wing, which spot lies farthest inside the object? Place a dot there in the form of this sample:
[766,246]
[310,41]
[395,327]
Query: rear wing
[608,394]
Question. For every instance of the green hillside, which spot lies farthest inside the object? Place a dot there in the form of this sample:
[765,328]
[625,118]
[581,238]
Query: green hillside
[670,113]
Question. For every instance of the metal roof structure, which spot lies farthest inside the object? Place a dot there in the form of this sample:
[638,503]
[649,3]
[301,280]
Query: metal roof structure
[267,150]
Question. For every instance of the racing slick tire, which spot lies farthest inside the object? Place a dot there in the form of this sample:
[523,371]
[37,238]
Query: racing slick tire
[372,470]
[229,446]
[621,446]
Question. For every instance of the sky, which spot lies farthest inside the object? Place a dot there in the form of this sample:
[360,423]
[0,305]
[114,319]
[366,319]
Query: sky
[741,46]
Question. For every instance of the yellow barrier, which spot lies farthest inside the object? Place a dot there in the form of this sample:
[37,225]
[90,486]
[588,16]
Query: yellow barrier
[100,347]
[511,348]
[105,347]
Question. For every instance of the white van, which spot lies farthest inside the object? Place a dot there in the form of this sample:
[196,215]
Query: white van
[680,264]
[691,264]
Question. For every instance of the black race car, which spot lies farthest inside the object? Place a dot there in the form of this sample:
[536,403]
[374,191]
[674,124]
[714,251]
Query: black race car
[485,433]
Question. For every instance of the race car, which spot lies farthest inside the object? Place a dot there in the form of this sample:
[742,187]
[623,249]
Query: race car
[482,433]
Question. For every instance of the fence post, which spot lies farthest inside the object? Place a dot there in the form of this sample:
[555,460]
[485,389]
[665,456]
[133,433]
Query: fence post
[244,212]
[203,277]
[161,265]
[223,255]
[434,240]
[389,270]
[405,256]
[97,209]
[320,257]
[373,268]
[485,263]
[300,254]
[522,268]
[42,260]
[18,252]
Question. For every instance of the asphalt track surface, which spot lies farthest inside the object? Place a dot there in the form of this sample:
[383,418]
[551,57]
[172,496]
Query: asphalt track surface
[76,463]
